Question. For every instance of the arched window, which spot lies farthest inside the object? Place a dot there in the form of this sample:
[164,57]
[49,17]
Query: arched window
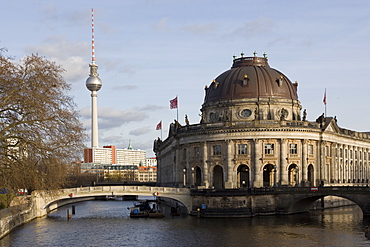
[243,176]
[218,177]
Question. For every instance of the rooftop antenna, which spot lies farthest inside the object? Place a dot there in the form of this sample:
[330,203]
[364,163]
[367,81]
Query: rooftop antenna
[92,38]
[93,83]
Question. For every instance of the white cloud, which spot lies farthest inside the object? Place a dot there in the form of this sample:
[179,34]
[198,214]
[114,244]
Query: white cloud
[67,53]
[110,118]
[140,131]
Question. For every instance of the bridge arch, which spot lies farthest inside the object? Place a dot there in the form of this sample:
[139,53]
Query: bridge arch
[302,203]
[47,201]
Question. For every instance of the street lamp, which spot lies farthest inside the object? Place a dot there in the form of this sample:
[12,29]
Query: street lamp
[192,176]
[184,170]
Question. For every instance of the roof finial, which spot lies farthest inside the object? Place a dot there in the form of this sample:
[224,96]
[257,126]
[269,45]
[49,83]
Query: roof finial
[264,55]
[255,53]
[242,54]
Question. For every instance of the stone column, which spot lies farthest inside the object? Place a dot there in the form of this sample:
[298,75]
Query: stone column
[283,162]
[229,165]
[322,162]
[304,162]
[257,178]
[205,165]
[333,169]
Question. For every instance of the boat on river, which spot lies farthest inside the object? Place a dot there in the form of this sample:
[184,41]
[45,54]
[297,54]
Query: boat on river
[140,209]
[143,209]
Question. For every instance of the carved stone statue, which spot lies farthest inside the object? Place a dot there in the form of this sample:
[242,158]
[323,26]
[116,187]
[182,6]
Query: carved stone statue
[320,119]
[304,115]
[283,114]
[177,124]
[186,120]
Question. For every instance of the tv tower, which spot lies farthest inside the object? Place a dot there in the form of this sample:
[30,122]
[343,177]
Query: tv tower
[93,83]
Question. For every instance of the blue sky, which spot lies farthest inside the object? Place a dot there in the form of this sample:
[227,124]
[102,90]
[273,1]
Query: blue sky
[150,51]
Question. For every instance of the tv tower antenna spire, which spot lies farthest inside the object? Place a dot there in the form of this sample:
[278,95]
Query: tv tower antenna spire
[93,83]
[92,38]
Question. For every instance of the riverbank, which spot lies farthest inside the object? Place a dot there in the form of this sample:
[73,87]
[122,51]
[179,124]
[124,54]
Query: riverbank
[23,210]
[16,215]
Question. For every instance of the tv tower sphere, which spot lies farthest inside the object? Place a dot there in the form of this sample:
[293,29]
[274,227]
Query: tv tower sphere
[93,83]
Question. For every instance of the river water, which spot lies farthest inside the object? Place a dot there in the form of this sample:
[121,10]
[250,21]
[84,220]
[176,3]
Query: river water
[107,223]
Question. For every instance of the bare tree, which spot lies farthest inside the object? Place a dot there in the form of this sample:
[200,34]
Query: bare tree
[40,133]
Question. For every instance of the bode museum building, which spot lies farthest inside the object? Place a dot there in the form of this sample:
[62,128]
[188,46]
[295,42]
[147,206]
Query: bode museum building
[253,133]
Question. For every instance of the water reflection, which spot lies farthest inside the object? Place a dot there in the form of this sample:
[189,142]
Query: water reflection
[107,223]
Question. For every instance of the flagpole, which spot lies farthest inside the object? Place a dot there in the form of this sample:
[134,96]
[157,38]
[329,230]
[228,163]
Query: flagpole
[177,108]
[325,101]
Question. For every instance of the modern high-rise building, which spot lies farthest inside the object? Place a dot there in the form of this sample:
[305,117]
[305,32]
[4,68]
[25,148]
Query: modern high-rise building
[110,155]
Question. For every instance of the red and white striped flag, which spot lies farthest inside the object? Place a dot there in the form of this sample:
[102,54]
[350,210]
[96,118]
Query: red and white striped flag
[159,126]
[173,103]
[324,100]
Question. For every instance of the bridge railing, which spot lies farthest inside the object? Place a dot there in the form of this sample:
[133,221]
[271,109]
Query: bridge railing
[122,189]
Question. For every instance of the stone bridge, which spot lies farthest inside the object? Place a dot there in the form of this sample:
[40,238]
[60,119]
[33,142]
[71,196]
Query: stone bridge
[279,200]
[298,200]
[46,201]
[226,202]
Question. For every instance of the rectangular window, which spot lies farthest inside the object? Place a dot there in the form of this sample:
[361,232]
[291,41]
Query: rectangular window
[217,150]
[242,149]
[196,151]
[269,148]
[310,149]
[293,148]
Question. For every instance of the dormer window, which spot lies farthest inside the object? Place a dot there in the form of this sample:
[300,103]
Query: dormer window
[280,81]
[245,80]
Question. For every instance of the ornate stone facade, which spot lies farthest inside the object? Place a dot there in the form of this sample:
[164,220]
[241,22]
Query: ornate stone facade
[252,134]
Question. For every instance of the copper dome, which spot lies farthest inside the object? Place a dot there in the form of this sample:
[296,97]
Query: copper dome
[251,77]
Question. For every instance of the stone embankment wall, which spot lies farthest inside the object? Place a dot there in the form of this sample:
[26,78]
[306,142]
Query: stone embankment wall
[23,209]
[15,216]
[249,206]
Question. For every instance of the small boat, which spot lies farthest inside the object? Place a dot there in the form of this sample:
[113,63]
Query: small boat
[156,214]
[140,210]
[136,212]
[110,198]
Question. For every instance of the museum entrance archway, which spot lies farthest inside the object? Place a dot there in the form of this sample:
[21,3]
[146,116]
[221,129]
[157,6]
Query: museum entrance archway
[310,174]
[243,176]
[293,175]
[218,177]
[198,176]
[269,175]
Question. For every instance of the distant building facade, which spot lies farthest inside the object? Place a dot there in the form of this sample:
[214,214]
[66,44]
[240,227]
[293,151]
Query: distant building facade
[253,133]
[111,155]
[112,164]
